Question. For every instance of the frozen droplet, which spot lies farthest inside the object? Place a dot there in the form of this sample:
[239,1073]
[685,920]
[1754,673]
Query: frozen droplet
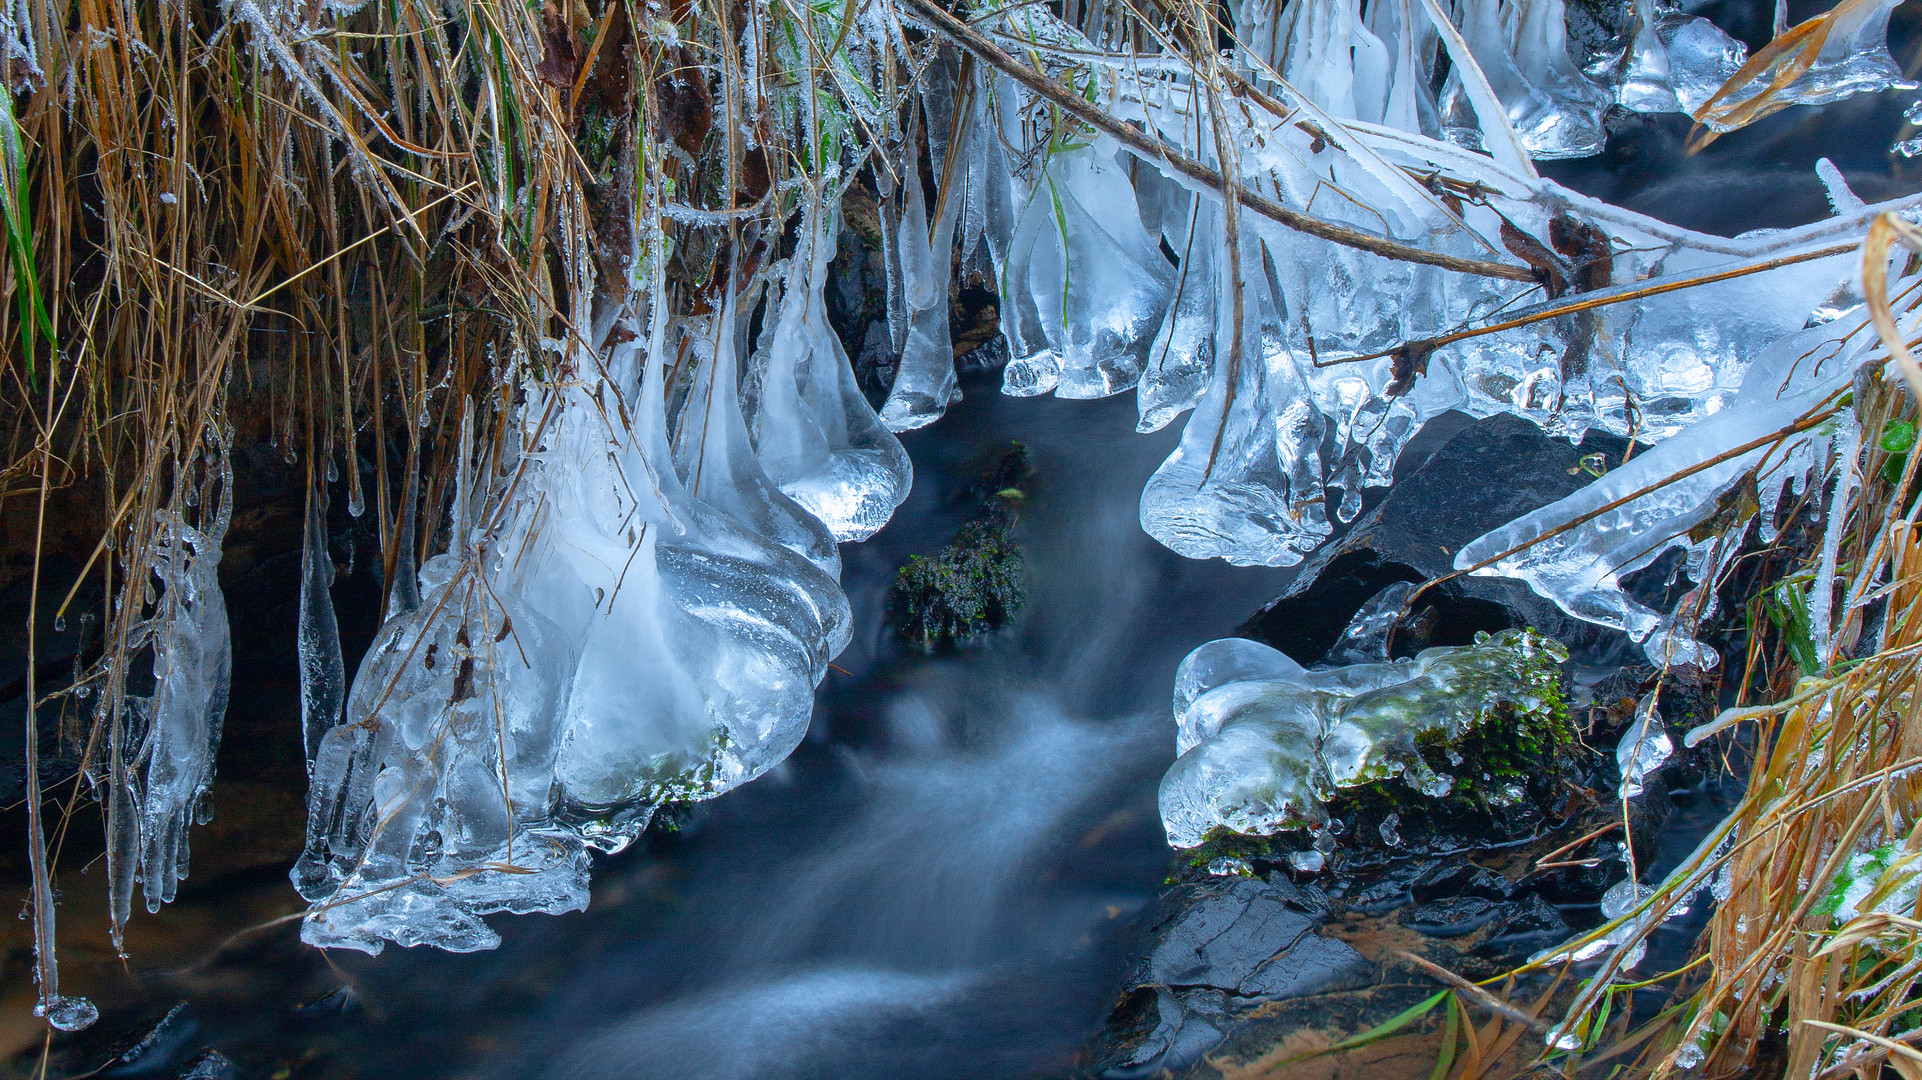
[1645,746]
[1230,866]
[1307,862]
[68,1013]
[1389,833]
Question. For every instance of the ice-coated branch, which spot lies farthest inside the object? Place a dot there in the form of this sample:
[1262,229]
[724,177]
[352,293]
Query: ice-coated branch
[1158,152]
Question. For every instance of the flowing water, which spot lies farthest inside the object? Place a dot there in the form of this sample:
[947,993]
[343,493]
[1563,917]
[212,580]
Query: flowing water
[932,886]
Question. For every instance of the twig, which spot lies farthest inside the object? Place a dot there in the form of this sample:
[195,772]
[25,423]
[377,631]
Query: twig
[1155,149]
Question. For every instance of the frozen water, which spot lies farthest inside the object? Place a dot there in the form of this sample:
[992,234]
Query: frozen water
[1576,551]
[1851,57]
[815,434]
[323,673]
[1365,639]
[925,381]
[1262,744]
[1643,749]
[602,636]
[1676,61]
[1521,47]
[1095,285]
[180,721]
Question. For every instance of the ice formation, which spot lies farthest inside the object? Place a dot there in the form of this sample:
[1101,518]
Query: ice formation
[1643,749]
[1676,61]
[1687,492]
[1842,52]
[1264,743]
[1521,48]
[639,593]
[816,436]
[323,671]
[171,770]
[618,622]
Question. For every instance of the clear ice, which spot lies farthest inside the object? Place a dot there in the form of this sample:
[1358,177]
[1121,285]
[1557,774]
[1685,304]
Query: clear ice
[1263,744]
[607,632]
[815,434]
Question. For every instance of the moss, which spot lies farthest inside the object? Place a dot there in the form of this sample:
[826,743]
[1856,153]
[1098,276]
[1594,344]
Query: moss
[979,581]
[1508,765]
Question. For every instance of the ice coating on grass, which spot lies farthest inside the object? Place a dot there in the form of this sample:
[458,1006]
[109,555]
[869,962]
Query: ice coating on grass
[1676,61]
[602,637]
[1738,460]
[178,724]
[1263,744]
[1851,56]
[815,434]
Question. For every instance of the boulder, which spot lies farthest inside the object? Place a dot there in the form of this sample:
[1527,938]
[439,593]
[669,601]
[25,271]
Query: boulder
[1488,474]
[1215,949]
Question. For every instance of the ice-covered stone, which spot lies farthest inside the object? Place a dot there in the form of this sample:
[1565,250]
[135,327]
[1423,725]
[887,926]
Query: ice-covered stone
[1263,744]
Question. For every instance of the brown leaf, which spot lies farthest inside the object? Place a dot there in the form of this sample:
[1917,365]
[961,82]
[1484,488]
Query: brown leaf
[1590,253]
[1549,268]
[687,106]
[1410,360]
[559,62]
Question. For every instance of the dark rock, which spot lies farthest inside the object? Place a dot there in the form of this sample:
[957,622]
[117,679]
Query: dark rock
[1215,948]
[1527,924]
[1490,473]
[211,1065]
[160,1051]
[1178,1035]
[1446,881]
[342,1002]
[1453,917]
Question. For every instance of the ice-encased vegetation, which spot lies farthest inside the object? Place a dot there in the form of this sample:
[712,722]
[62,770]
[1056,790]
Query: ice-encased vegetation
[638,591]
[1264,743]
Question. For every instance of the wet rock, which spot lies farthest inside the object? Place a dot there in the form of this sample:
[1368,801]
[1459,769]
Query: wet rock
[1453,917]
[1526,925]
[979,581]
[162,1048]
[211,1065]
[1213,950]
[1463,879]
[1488,474]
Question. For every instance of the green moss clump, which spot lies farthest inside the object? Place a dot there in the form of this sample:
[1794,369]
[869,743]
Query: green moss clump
[979,581]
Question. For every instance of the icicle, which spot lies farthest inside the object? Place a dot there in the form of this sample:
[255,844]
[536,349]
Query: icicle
[1182,355]
[192,668]
[1677,61]
[816,435]
[1552,106]
[1244,484]
[323,673]
[718,465]
[1094,281]
[926,381]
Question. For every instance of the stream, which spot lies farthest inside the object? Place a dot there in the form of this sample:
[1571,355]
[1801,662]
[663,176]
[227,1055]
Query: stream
[932,885]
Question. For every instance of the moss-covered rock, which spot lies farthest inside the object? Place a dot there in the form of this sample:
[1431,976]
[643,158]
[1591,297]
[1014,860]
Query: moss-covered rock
[1463,747]
[979,581]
